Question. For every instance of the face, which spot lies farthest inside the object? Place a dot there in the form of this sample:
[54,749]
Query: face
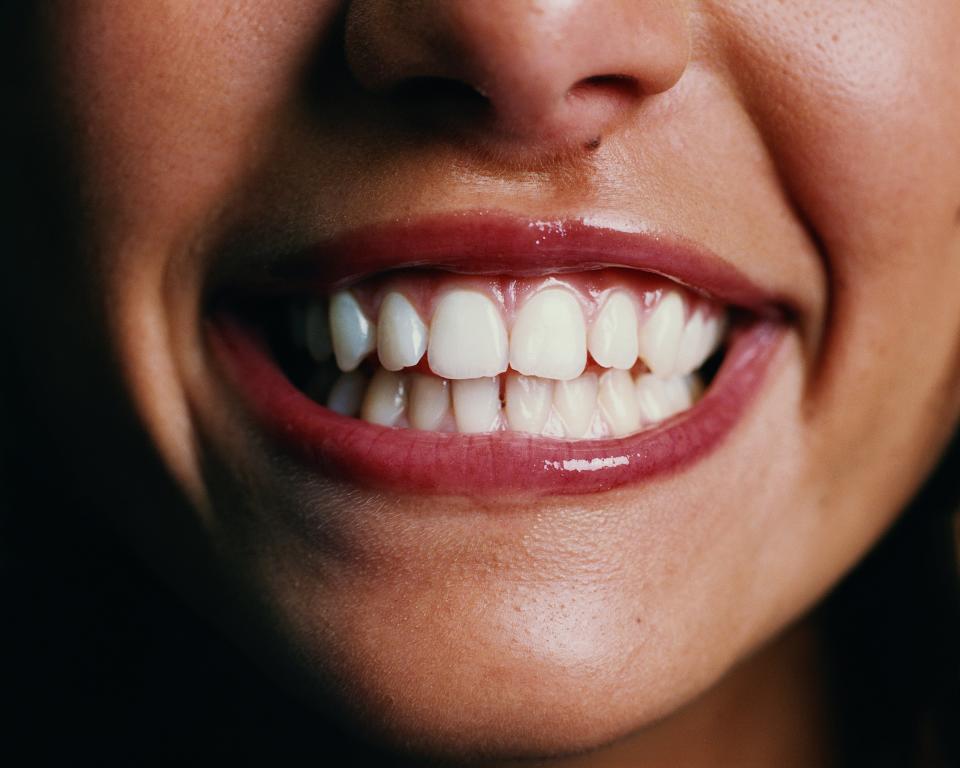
[643,314]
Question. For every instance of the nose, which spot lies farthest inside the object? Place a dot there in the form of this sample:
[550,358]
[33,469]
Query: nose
[543,73]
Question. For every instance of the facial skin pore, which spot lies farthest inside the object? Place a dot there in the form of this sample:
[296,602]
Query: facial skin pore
[813,145]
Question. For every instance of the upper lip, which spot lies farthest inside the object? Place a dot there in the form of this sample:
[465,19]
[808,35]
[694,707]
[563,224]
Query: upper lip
[478,242]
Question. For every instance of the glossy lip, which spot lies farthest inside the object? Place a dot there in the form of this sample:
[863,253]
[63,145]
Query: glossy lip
[413,461]
[479,243]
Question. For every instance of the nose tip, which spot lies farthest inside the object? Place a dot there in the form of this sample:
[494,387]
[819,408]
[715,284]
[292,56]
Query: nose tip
[542,74]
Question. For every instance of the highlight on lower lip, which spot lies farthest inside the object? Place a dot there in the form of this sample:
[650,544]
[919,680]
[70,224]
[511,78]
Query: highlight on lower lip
[414,461]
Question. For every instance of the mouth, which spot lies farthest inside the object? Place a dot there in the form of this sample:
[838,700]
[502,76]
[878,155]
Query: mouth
[483,355]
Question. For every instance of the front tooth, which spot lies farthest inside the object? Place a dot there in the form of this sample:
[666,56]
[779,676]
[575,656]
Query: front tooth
[613,337]
[386,398]
[317,335]
[661,334]
[468,339]
[575,401]
[429,402]
[618,402]
[549,337]
[346,395]
[401,334]
[528,402]
[476,404]
[354,334]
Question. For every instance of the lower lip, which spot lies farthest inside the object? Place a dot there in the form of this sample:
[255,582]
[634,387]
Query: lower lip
[504,463]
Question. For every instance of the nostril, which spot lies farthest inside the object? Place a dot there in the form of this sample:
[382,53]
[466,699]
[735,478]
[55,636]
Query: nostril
[621,88]
[440,101]
[438,90]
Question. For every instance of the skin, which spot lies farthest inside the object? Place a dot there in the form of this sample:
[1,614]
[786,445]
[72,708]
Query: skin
[814,145]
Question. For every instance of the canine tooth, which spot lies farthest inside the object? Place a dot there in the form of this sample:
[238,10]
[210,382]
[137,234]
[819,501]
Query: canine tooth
[317,332]
[468,339]
[429,401]
[346,395]
[618,402]
[549,336]
[476,404]
[660,335]
[401,334]
[528,402]
[691,345]
[575,401]
[386,398]
[714,327]
[613,336]
[354,335]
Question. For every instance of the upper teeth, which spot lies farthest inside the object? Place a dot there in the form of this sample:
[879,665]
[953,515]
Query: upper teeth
[467,337]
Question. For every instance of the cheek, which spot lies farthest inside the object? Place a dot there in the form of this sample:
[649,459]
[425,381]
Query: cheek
[174,111]
[873,168]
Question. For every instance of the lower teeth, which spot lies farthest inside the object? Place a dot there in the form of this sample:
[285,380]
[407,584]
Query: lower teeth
[610,403]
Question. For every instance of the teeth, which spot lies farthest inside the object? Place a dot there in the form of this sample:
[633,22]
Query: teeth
[575,402]
[618,402]
[682,392]
[701,337]
[429,402]
[317,336]
[386,398]
[661,334]
[401,334]
[660,399]
[346,395]
[691,344]
[468,339]
[476,404]
[528,402]
[354,335]
[613,337]
[549,336]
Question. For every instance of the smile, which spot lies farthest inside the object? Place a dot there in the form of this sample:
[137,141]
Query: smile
[476,354]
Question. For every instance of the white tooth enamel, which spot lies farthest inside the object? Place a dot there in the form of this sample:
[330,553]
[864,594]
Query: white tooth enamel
[651,398]
[346,395]
[691,345]
[575,402]
[476,404]
[681,393]
[386,398]
[613,336]
[660,399]
[354,335]
[661,334]
[401,334]
[549,336]
[713,329]
[429,401]
[317,332]
[618,402]
[528,402]
[468,339]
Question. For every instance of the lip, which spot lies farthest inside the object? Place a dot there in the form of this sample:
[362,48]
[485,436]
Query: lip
[484,242]
[412,461]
